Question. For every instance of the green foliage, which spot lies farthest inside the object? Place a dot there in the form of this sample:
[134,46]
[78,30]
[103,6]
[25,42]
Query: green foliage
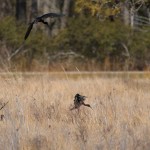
[140,46]
[100,40]
[86,36]
[11,37]
[10,31]
[91,38]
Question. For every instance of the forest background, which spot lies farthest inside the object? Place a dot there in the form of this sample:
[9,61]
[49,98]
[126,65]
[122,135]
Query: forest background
[94,35]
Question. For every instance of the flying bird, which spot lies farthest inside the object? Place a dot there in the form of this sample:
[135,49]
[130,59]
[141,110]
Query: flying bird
[78,101]
[41,19]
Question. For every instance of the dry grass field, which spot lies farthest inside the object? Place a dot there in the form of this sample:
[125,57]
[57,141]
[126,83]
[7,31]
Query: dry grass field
[37,116]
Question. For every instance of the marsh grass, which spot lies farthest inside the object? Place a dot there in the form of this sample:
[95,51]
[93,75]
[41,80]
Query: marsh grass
[37,116]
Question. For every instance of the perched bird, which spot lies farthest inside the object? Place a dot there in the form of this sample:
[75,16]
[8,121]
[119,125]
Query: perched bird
[78,101]
[41,19]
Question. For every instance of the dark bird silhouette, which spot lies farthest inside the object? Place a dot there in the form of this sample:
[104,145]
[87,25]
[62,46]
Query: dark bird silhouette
[78,101]
[41,19]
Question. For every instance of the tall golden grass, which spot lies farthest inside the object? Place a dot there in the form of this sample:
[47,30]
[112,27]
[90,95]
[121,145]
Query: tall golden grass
[37,116]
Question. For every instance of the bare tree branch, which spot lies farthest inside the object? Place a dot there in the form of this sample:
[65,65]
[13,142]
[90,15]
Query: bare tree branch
[64,55]
[126,53]
[16,51]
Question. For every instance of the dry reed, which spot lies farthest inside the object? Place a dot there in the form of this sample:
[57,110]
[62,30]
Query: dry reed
[37,116]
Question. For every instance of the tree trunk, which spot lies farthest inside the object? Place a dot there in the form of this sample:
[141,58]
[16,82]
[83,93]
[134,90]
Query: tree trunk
[148,12]
[31,10]
[34,9]
[66,11]
[21,10]
[126,13]
[132,17]
[6,8]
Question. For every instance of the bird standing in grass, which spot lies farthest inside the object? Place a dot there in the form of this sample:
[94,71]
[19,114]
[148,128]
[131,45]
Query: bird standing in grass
[78,101]
[41,19]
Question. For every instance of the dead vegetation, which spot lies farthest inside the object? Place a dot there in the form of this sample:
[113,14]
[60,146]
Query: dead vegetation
[37,116]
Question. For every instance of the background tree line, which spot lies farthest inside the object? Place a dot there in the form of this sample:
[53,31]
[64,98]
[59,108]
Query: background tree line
[99,34]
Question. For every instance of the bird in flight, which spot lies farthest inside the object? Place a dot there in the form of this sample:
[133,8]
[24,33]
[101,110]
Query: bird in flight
[78,101]
[41,19]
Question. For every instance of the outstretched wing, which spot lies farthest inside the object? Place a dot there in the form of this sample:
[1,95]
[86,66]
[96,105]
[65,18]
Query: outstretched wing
[28,30]
[51,15]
